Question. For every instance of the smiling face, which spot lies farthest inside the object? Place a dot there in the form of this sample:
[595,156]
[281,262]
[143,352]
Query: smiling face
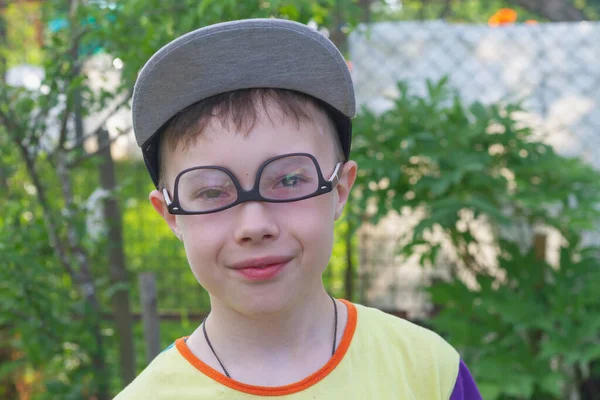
[259,257]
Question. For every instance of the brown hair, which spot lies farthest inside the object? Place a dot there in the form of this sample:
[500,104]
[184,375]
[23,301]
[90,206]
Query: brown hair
[240,108]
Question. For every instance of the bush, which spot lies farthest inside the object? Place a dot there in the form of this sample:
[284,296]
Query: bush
[527,329]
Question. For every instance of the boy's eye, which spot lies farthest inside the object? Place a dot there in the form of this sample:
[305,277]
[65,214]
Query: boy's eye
[211,194]
[290,181]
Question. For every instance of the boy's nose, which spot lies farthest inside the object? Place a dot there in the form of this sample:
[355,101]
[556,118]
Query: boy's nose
[255,223]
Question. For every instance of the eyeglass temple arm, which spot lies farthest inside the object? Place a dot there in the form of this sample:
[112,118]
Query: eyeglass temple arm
[166,195]
[334,179]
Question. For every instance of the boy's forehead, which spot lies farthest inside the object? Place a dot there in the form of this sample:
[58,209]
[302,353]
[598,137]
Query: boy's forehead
[273,133]
[270,118]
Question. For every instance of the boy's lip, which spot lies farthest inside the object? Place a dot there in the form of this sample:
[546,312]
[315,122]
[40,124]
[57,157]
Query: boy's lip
[260,262]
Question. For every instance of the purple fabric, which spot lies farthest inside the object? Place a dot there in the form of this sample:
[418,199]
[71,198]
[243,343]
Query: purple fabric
[465,388]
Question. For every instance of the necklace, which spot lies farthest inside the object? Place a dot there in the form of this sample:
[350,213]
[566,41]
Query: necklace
[335,322]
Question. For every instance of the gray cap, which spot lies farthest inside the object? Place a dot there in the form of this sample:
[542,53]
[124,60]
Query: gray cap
[253,53]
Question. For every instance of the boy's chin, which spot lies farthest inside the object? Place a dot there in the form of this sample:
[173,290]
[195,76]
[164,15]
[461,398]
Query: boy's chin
[261,305]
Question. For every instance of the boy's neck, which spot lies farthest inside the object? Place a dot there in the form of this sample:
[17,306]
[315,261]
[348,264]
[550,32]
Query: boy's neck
[302,332]
[287,328]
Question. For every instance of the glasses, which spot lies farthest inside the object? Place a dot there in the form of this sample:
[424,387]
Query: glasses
[281,179]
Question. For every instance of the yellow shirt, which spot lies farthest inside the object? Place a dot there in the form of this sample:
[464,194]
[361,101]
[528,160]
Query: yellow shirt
[379,357]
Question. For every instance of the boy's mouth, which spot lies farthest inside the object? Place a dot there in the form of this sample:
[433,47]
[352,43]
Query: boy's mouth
[260,263]
[261,269]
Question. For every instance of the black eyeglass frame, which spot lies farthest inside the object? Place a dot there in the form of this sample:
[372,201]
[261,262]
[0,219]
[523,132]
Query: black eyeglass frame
[243,196]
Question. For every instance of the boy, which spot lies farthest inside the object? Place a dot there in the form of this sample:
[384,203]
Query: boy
[245,130]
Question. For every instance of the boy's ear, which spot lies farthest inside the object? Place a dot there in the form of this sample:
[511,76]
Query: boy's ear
[347,177]
[160,206]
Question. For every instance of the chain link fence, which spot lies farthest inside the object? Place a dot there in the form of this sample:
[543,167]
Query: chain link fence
[551,67]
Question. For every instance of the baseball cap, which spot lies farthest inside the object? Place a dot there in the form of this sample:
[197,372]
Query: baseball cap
[244,54]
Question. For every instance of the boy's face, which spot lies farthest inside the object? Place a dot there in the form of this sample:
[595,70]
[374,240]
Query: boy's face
[298,236]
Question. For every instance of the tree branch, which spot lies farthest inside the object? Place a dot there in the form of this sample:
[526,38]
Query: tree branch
[56,243]
[101,125]
[36,128]
[63,128]
[81,159]
[72,74]
[84,277]
[447,10]
[365,5]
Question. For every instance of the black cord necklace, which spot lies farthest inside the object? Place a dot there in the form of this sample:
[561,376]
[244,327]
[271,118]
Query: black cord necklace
[335,322]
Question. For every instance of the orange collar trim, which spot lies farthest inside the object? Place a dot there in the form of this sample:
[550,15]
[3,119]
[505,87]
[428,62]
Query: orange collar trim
[277,390]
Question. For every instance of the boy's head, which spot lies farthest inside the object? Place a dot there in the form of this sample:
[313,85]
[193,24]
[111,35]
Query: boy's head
[253,173]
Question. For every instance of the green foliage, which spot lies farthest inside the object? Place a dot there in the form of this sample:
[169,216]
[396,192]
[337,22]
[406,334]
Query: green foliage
[39,303]
[435,153]
[18,41]
[539,327]
[477,11]
[527,329]
[458,11]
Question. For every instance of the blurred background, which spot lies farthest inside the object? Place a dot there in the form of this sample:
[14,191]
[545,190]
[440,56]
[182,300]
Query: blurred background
[475,211]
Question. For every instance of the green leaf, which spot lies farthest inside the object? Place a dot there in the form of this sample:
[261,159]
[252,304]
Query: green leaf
[479,111]
[440,186]
[489,208]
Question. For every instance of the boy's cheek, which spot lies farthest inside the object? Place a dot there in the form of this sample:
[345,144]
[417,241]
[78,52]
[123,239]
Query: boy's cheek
[310,222]
[318,210]
[201,230]
[316,213]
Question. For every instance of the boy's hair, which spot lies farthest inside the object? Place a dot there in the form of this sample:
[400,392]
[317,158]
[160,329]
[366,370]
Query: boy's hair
[239,110]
